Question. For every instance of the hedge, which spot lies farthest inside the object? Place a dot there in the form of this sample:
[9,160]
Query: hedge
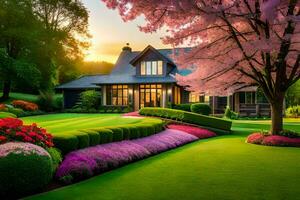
[220,126]
[80,139]
[201,108]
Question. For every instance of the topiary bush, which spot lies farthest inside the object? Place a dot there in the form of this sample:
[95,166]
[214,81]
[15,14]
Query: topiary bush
[229,114]
[184,107]
[201,108]
[24,168]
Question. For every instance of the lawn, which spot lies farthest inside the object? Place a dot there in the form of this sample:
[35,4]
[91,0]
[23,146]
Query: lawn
[65,122]
[219,168]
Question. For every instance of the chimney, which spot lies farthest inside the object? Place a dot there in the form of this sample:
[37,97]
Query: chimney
[127,48]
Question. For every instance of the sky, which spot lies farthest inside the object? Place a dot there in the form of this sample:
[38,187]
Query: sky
[110,33]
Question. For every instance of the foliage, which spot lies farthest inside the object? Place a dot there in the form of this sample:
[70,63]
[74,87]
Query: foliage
[201,108]
[293,95]
[233,44]
[90,99]
[24,168]
[12,129]
[273,140]
[229,114]
[196,131]
[94,67]
[6,115]
[56,157]
[28,106]
[289,133]
[48,101]
[293,111]
[185,107]
[16,111]
[79,139]
[217,125]
[91,161]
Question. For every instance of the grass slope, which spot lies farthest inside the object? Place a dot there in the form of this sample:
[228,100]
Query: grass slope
[218,168]
[60,123]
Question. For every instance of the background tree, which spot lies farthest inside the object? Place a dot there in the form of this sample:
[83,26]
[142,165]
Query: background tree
[18,32]
[235,43]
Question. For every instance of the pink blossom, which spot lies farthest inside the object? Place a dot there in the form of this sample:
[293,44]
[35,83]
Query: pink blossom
[200,133]
[21,148]
[255,138]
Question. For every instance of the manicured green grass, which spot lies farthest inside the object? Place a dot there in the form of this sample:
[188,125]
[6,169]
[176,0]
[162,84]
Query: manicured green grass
[224,168]
[65,122]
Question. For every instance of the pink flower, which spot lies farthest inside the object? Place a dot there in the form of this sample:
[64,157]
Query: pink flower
[277,140]
[196,131]
[255,138]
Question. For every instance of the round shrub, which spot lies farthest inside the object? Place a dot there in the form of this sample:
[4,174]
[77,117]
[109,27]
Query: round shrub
[56,157]
[66,143]
[201,108]
[93,136]
[117,134]
[134,132]
[24,168]
[106,135]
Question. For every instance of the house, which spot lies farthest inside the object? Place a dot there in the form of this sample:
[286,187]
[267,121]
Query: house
[145,79]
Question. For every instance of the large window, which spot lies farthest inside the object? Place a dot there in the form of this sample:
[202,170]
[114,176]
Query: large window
[247,97]
[193,98]
[151,68]
[117,95]
[150,95]
[177,95]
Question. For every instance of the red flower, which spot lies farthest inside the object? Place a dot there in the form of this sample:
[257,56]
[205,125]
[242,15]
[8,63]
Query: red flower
[2,138]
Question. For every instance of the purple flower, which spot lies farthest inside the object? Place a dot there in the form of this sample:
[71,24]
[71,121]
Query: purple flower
[94,160]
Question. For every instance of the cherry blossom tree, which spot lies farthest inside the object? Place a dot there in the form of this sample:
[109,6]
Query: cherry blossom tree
[234,43]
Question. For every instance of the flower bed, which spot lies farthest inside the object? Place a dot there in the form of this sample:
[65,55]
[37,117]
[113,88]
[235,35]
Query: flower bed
[12,129]
[28,106]
[196,131]
[87,162]
[132,114]
[273,140]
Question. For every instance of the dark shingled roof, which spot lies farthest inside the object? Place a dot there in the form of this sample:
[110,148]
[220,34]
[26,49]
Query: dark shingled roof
[123,73]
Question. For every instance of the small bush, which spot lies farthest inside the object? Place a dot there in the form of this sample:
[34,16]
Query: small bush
[24,168]
[56,157]
[93,136]
[25,105]
[117,133]
[90,99]
[293,111]
[229,114]
[66,143]
[106,135]
[134,132]
[255,138]
[17,111]
[48,102]
[184,107]
[201,108]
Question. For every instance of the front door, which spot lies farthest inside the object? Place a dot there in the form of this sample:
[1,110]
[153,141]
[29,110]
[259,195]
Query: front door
[150,95]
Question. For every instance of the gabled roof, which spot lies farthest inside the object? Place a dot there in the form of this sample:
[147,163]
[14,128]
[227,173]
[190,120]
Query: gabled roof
[125,73]
[158,53]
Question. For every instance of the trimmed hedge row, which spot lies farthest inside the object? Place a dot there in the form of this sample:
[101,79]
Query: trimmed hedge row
[80,139]
[220,126]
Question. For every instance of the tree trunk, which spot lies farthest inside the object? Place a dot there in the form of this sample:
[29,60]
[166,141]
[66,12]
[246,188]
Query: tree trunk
[277,115]
[6,90]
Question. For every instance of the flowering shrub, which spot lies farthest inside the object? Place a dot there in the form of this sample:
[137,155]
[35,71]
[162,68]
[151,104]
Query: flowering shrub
[132,114]
[255,138]
[277,140]
[273,140]
[24,168]
[12,129]
[28,106]
[87,162]
[3,107]
[196,131]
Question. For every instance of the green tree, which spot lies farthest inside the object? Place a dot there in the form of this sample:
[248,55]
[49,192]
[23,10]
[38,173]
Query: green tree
[293,95]
[18,31]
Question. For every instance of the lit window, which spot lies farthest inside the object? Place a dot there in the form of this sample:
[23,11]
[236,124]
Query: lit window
[143,68]
[193,97]
[119,95]
[151,68]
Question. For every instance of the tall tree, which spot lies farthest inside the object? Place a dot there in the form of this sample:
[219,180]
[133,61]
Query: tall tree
[235,43]
[18,28]
[65,36]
